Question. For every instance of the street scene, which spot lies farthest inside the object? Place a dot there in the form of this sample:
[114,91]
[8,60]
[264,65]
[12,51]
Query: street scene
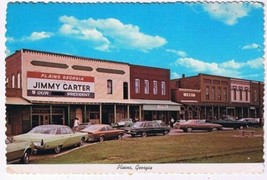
[130,83]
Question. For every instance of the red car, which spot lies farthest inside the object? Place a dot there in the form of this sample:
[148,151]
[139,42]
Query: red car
[101,132]
[190,125]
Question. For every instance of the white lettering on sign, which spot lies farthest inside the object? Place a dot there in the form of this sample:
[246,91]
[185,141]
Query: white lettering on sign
[189,94]
[47,84]
[162,106]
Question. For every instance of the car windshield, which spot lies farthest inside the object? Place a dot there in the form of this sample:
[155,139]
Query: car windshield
[138,124]
[44,130]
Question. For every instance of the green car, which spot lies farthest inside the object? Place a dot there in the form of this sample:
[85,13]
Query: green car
[18,151]
[53,137]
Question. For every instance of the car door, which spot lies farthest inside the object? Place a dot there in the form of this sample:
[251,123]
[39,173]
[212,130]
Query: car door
[70,137]
[110,132]
[157,128]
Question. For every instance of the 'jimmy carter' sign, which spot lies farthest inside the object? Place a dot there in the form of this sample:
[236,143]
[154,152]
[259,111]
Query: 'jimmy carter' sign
[51,84]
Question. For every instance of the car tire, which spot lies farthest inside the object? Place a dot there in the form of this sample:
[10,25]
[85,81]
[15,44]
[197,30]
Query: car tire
[101,138]
[214,129]
[144,134]
[241,127]
[81,142]
[25,158]
[58,149]
[133,135]
[119,137]
[189,129]
[165,133]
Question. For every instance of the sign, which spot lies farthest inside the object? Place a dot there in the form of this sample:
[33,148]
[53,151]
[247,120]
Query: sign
[51,84]
[189,94]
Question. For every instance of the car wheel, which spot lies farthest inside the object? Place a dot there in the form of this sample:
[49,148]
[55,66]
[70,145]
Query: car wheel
[165,133]
[57,149]
[189,129]
[26,157]
[101,138]
[81,142]
[214,129]
[241,127]
[119,136]
[133,135]
[144,134]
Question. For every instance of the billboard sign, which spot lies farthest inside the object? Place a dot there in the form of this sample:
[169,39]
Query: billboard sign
[51,84]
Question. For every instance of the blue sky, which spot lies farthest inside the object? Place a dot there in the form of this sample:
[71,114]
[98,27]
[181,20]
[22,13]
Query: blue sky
[188,38]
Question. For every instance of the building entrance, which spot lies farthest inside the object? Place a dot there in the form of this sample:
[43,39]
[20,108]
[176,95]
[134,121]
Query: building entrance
[42,116]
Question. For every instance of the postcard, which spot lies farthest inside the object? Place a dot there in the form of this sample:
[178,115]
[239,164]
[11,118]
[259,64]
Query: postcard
[168,88]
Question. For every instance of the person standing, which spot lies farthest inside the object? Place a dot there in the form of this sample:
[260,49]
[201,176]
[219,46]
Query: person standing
[76,124]
[172,122]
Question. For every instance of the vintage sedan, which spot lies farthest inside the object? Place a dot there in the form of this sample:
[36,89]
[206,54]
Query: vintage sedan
[251,122]
[101,132]
[55,137]
[230,123]
[144,128]
[18,151]
[191,125]
[122,124]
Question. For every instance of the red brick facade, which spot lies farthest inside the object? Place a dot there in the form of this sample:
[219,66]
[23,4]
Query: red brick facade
[150,74]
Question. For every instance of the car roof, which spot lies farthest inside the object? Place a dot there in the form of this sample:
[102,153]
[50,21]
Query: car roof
[52,126]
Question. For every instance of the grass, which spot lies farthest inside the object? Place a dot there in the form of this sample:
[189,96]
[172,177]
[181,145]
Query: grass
[222,146]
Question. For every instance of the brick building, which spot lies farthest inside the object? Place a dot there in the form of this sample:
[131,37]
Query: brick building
[52,88]
[212,97]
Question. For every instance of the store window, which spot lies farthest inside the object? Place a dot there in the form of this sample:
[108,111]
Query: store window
[109,86]
[146,87]
[219,93]
[137,86]
[225,94]
[241,93]
[207,92]
[18,78]
[13,81]
[246,92]
[213,93]
[234,89]
[155,87]
[163,88]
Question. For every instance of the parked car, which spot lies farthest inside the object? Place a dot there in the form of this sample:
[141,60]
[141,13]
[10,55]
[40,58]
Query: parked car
[122,124]
[18,151]
[251,122]
[145,128]
[231,123]
[161,123]
[55,137]
[101,132]
[177,123]
[84,125]
[191,125]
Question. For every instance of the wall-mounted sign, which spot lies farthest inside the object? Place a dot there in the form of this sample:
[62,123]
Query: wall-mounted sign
[189,94]
[51,84]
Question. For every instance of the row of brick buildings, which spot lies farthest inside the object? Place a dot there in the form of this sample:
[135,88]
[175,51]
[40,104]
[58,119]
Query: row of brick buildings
[52,88]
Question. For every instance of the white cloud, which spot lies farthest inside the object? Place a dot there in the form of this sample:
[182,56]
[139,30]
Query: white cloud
[179,53]
[227,68]
[109,33]
[251,46]
[175,75]
[35,36]
[255,63]
[229,13]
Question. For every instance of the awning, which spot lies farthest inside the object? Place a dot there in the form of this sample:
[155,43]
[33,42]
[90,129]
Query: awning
[16,101]
[159,105]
